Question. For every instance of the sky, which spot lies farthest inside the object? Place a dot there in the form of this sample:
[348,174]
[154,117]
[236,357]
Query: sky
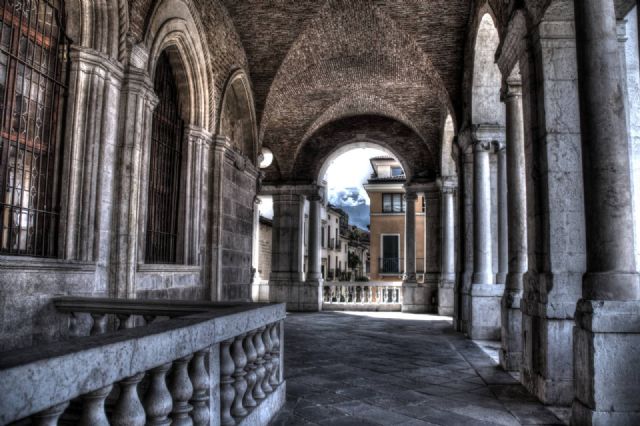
[345,178]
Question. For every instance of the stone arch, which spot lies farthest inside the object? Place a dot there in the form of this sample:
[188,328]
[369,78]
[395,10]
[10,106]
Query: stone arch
[172,28]
[387,132]
[237,118]
[98,24]
[486,107]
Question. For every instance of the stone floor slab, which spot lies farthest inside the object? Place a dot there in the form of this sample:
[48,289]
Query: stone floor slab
[401,369]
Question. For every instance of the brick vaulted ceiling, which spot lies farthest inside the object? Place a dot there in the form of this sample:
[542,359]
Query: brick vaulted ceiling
[315,63]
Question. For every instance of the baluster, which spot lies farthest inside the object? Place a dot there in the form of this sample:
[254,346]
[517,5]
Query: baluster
[99,325]
[227,392]
[181,391]
[158,402]
[50,416]
[397,299]
[124,321]
[128,410]
[200,381]
[258,392]
[93,408]
[240,383]
[73,324]
[275,353]
[251,377]
[268,363]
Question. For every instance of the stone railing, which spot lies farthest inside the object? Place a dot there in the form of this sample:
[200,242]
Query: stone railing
[206,364]
[385,296]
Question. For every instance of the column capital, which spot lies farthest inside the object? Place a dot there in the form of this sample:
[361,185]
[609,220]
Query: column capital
[448,184]
[197,134]
[484,135]
[410,194]
[621,30]
[221,143]
[511,87]
[500,146]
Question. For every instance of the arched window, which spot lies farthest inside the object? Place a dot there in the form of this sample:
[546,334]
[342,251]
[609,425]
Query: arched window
[31,88]
[164,171]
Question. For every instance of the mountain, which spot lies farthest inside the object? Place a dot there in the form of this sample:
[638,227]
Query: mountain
[355,202]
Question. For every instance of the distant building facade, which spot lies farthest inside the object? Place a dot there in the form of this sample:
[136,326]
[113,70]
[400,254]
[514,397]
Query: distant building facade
[387,229]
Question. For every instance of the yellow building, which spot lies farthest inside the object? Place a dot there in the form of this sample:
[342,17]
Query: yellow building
[388,206]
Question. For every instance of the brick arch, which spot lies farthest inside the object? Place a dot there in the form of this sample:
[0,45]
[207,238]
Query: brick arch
[351,48]
[386,132]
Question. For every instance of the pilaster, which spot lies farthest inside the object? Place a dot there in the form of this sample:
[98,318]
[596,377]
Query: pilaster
[90,157]
[137,105]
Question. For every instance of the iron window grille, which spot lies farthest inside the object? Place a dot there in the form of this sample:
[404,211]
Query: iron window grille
[164,168]
[33,52]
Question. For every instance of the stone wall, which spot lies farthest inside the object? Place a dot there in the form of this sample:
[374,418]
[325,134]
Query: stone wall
[239,192]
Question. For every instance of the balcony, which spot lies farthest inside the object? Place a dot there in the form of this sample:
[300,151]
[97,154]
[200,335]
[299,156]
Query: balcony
[132,362]
[395,266]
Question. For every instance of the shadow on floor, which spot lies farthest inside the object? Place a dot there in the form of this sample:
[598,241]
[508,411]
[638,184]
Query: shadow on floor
[396,369]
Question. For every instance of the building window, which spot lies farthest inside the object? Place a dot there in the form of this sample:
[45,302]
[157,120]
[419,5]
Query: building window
[164,168]
[390,260]
[32,67]
[393,203]
[397,171]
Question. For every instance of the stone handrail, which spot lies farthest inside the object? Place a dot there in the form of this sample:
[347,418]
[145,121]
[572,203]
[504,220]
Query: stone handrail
[220,366]
[362,293]
[128,313]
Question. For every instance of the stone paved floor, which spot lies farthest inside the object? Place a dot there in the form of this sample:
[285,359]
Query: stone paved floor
[395,369]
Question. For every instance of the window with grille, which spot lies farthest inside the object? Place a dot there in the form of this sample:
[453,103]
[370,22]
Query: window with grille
[32,67]
[164,168]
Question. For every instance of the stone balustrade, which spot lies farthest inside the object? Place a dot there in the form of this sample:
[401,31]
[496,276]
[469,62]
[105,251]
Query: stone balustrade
[376,296]
[208,364]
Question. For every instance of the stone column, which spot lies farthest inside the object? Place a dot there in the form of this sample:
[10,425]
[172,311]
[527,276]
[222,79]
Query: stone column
[607,333]
[503,255]
[286,283]
[466,229]
[484,321]
[412,292]
[314,273]
[193,216]
[137,105]
[410,238]
[511,351]
[448,258]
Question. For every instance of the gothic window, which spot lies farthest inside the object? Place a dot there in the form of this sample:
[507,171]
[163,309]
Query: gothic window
[164,168]
[32,66]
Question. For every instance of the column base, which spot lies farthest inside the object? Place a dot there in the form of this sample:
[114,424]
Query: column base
[465,303]
[446,297]
[419,297]
[606,350]
[511,325]
[260,292]
[484,318]
[299,296]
